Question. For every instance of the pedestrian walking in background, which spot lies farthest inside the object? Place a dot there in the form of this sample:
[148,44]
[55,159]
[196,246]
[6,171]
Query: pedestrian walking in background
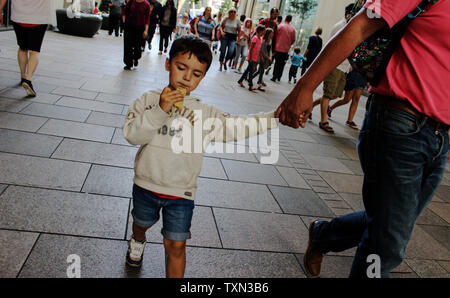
[286,35]
[229,30]
[313,49]
[167,25]
[30,24]
[135,17]
[204,27]
[155,16]
[253,58]
[115,13]
[242,44]
[296,61]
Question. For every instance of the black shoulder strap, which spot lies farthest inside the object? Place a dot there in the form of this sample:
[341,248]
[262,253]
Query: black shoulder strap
[397,32]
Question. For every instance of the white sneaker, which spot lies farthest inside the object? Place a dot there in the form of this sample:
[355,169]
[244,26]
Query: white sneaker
[135,252]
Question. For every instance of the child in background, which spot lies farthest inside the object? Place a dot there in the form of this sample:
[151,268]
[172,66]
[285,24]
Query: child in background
[183,27]
[253,58]
[296,60]
[164,177]
[242,44]
[265,57]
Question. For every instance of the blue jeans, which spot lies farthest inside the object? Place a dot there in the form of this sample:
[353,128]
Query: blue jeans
[403,159]
[227,47]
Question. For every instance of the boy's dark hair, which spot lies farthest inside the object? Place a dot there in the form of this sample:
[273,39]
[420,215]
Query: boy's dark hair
[288,18]
[349,8]
[260,28]
[280,18]
[194,45]
[242,18]
[297,50]
[319,31]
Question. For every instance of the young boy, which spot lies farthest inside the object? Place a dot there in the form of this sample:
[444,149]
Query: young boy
[253,58]
[183,27]
[165,179]
[296,60]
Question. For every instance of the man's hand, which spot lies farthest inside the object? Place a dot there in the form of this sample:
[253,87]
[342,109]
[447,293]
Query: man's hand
[295,109]
[144,34]
[168,98]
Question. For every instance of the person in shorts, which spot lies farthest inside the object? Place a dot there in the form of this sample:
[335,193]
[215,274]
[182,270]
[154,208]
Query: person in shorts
[354,88]
[166,178]
[334,83]
[30,24]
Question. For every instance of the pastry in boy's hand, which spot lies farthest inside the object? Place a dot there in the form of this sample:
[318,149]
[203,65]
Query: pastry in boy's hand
[179,104]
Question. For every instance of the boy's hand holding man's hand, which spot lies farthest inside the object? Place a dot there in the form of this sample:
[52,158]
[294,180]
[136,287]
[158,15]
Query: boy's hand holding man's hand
[169,97]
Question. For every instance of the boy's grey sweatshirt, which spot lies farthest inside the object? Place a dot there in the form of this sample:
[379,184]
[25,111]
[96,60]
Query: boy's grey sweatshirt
[159,165]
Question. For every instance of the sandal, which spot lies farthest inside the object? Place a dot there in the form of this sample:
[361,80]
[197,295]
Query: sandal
[252,88]
[326,127]
[261,89]
[240,84]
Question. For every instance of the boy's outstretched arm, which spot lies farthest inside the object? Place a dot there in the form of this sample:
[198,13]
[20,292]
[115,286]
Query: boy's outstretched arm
[224,127]
[147,114]
[297,106]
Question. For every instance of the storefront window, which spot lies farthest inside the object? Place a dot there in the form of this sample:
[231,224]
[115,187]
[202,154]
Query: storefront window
[304,27]
[260,9]
[6,16]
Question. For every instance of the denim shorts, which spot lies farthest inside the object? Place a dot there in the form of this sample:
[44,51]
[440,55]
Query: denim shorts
[177,213]
[355,81]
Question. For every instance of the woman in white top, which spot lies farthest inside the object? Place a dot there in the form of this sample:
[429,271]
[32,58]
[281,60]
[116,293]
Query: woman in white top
[30,21]
[229,31]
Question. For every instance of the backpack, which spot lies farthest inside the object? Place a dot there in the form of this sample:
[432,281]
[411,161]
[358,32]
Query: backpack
[192,23]
[372,56]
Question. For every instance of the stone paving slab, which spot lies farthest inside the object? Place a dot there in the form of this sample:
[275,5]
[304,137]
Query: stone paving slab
[20,93]
[250,172]
[293,178]
[90,105]
[441,209]
[212,168]
[106,119]
[77,130]
[443,192]
[28,171]
[424,246]
[19,142]
[96,153]
[261,231]
[329,164]
[13,105]
[299,201]
[21,122]
[236,195]
[56,112]
[98,257]
[342,182]
[428,268]
[14,249]
[62,212]
[222,263]
[111,181]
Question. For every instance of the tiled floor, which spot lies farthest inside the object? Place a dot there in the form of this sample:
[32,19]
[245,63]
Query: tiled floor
[66,175]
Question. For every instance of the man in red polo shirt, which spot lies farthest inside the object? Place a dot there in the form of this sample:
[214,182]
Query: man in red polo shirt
[403,144]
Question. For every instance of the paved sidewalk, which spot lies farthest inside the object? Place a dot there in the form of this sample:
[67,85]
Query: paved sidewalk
[66,176]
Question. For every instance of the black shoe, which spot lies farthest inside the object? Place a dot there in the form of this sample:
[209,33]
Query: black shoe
[225,66]
[126,67]
[273,80]
[135,63]
[28,87]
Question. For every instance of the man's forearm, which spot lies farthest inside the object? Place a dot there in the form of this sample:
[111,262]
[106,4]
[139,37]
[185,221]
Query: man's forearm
[339,48]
